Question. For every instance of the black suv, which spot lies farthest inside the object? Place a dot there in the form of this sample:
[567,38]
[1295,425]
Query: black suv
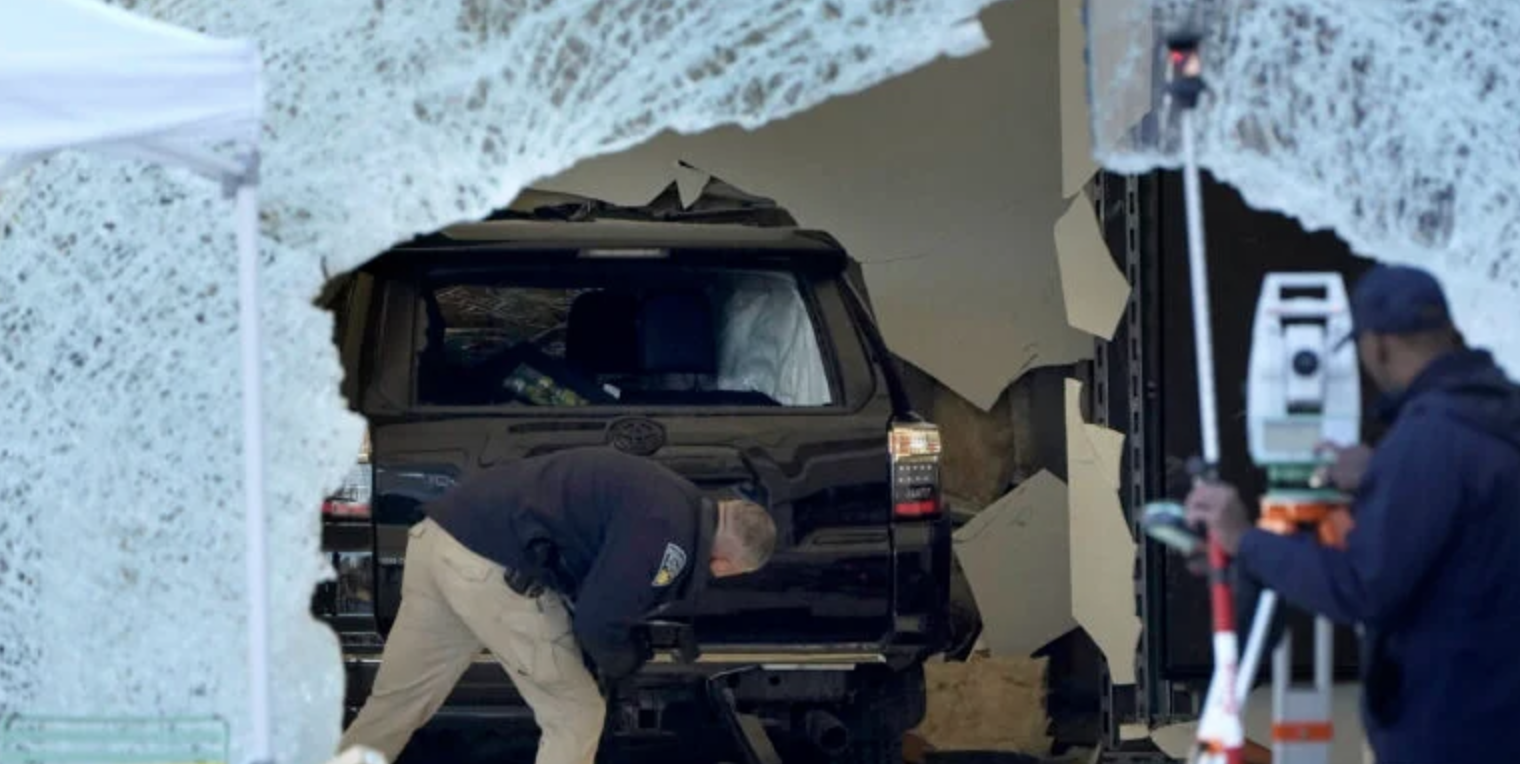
[716,338]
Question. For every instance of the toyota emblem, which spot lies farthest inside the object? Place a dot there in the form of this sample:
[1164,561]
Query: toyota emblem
[640,437]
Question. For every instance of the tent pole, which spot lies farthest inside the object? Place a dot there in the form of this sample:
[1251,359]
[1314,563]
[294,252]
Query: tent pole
[250,322]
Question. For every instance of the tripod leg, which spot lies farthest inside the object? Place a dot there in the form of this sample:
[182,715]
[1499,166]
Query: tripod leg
[1302,731]
[1324,655]
[1282,679]
[1250,663]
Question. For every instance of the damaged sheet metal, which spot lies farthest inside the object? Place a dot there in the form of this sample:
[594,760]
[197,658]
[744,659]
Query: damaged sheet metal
[1103,550]
[1094,290]
[1015,554]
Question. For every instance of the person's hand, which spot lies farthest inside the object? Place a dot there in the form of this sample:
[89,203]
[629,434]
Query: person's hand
[1348,468]
[1217,506]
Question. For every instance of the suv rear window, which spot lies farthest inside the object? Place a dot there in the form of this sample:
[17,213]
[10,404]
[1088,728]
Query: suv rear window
[693,337]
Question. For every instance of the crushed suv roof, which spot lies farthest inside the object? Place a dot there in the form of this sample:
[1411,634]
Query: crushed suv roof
[721,216]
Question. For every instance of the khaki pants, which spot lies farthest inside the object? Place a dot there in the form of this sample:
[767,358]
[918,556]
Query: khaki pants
[453,603]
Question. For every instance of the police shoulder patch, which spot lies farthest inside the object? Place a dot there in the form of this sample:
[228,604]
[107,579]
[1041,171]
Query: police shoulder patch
[671,566]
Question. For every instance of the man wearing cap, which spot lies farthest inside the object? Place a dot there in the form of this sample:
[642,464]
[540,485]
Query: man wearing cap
[1432,568]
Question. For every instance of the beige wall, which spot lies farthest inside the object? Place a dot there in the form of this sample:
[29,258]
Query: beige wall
[946,182]
[949,184]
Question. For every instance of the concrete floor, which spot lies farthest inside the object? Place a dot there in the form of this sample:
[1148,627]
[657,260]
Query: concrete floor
[490,748]
[487,748]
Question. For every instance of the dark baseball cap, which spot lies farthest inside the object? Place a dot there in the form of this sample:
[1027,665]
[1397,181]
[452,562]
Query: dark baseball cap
[1397,299]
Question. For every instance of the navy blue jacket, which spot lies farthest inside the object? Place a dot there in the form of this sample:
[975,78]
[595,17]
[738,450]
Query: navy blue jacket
[1431,570]
[630,536]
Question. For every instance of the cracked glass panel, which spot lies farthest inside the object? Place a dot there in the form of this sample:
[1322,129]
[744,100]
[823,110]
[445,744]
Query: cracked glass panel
[1390,123]
[121,535]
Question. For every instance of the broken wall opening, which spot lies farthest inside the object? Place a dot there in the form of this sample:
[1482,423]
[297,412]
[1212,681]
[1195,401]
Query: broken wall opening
[425,113]
[961,189]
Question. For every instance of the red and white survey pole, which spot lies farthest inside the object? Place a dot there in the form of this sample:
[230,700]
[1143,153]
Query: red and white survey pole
[1221,735]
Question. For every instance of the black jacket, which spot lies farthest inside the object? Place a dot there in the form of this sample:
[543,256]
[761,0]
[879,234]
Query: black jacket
[630,536]
[1431,570]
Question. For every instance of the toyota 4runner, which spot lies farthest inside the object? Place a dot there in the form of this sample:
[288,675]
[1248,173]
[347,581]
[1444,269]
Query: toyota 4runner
[716,338]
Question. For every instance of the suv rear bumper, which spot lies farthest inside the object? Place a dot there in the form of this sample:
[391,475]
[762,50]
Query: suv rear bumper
[485,695]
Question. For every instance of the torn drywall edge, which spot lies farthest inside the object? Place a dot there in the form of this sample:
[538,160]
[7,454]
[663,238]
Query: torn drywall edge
[1103,549]
[1108,450]
[1176,740]
[1093,288]
[1015,554]
[690,181]
[1077,163]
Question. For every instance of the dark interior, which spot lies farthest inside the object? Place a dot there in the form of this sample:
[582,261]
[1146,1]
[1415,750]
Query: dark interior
[590,342]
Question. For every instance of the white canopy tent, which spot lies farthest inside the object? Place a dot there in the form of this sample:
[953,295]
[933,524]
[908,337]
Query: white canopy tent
[78,74]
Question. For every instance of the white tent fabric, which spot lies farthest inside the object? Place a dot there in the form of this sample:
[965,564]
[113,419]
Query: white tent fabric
[78,74]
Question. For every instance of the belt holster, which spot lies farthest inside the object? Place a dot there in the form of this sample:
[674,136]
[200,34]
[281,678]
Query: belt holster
[523,584]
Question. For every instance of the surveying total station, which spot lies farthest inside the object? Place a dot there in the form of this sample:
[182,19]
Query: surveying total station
[1303,390]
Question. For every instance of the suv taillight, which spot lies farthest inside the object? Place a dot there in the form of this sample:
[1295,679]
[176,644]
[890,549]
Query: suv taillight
[915,451]
[352,498]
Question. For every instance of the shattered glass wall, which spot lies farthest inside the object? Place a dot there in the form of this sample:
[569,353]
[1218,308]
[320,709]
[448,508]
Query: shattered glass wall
[121,542]
[1389,122]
